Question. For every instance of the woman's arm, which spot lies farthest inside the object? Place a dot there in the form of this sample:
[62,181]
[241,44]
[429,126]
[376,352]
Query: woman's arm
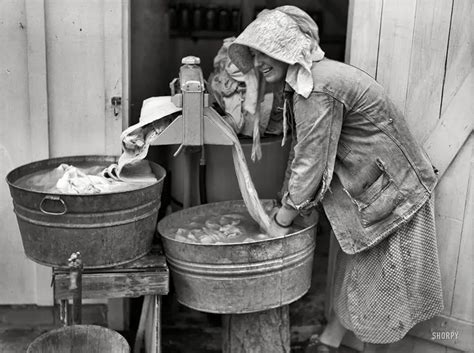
[318,121]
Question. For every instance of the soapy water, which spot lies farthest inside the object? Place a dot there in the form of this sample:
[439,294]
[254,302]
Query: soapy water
[228,228]
[83,178]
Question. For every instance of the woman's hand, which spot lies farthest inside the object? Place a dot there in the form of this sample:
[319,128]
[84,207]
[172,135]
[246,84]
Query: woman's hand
[277,229]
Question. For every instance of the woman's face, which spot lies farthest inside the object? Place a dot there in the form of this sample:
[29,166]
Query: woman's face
[273,71]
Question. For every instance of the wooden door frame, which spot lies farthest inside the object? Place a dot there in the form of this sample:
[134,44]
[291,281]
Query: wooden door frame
[118,309]
[117,59]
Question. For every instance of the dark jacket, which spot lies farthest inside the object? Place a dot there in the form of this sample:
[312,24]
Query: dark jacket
[355,154]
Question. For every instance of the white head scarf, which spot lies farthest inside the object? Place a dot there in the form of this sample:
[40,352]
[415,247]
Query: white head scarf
[287,34]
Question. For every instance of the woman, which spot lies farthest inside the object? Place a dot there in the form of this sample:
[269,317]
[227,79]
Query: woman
[355,156]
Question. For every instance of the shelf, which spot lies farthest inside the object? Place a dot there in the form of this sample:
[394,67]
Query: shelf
[202,34]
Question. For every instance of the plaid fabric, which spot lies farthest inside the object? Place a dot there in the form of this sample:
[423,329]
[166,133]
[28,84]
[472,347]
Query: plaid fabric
[381,293]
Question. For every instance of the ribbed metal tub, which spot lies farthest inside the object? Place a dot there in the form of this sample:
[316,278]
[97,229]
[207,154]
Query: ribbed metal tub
[108,229]
[80,339]
[237,278]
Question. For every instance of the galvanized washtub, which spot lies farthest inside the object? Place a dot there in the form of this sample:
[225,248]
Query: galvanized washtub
[237,278]
[108,229]
[80,339]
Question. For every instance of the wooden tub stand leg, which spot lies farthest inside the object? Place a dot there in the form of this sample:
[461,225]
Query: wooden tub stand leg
[264,331]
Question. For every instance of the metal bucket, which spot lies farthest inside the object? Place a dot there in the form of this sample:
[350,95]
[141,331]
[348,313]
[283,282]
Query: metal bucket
[80,339]
[237,278]
[108,229]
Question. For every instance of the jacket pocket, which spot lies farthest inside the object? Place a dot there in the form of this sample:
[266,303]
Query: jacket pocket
[379,199]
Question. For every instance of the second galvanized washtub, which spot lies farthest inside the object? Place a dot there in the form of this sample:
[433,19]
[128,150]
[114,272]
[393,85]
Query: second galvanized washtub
[108,229]
[80,339]
[237,278]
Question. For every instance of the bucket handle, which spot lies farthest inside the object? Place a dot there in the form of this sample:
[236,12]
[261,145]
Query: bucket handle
[53,198]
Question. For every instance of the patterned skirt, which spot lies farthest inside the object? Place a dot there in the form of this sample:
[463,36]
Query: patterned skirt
[381,293]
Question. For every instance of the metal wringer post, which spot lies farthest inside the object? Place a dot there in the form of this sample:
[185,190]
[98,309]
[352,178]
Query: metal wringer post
[193,129]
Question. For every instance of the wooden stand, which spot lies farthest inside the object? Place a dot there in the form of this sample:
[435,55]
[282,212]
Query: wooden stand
[147,276]
[264,331]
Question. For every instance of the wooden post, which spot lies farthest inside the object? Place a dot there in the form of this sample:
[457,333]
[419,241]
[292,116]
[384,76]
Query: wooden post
[260,332]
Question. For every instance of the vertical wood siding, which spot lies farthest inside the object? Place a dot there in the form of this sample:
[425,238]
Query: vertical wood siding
[423,55]
[60,64]
[22,137]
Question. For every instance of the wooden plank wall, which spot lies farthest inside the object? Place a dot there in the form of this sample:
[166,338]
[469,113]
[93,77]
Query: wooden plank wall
[421,51]
[23,137]
[86,47]
[60,64]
